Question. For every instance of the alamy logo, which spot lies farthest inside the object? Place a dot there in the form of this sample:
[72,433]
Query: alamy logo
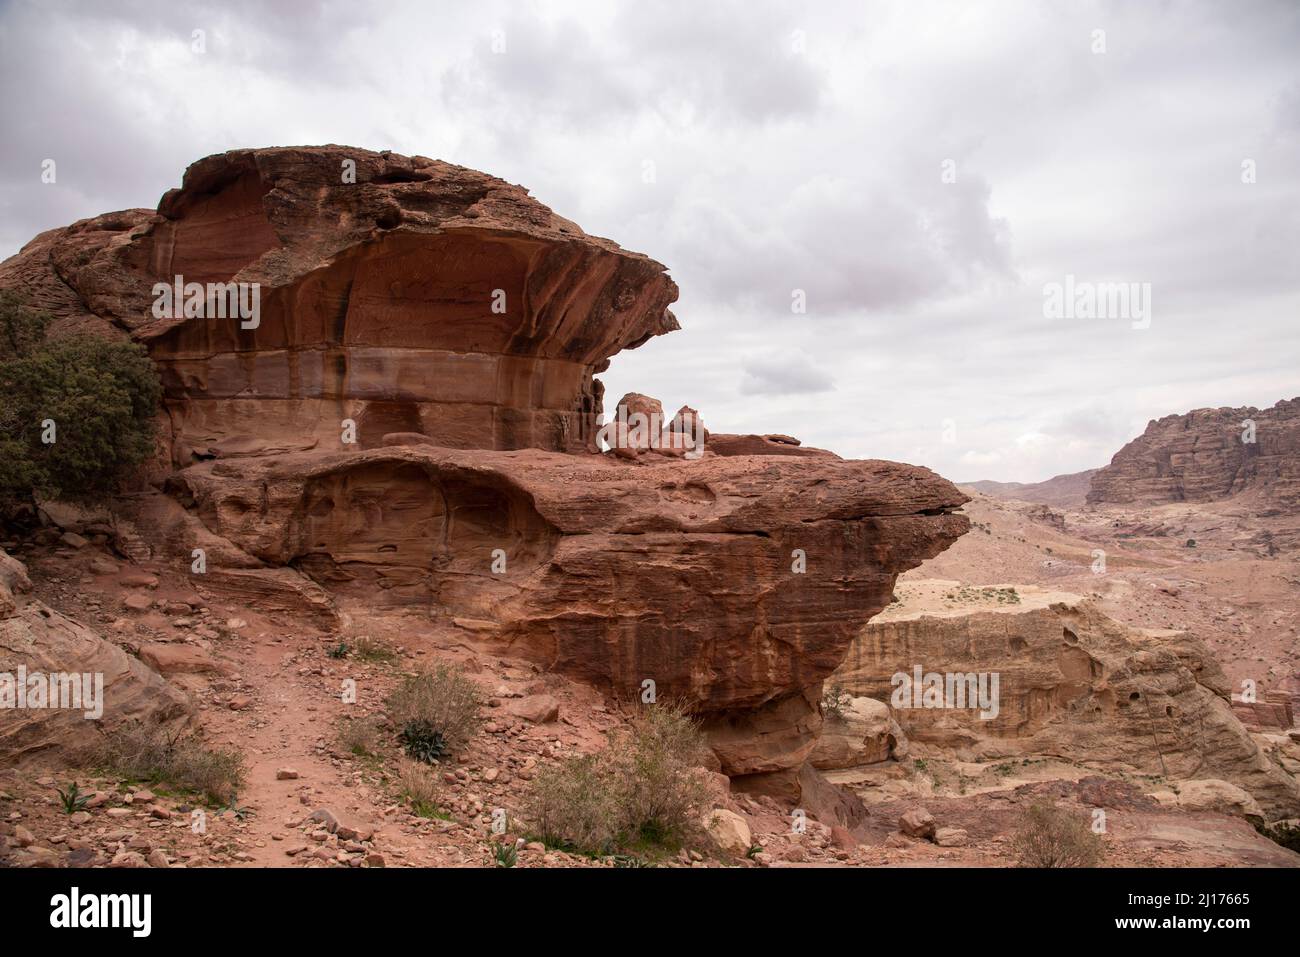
[70,691]
[73,910]
[1098,300]
[947,690]
[216,300]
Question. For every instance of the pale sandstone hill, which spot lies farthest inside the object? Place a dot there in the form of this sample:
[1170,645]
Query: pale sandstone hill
[1062,491]
[1074,684]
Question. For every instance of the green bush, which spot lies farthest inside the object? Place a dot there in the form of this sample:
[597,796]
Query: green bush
[644,789]
[101,394]
[444,702]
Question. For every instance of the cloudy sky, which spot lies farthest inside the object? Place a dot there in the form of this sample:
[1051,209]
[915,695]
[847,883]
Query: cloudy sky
[912,174]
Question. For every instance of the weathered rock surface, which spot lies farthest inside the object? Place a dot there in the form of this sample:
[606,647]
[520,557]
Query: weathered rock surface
[45,643]
[422,297]
[679,573]
[863,733]
[1072,683]
[458,324]
[1204,456]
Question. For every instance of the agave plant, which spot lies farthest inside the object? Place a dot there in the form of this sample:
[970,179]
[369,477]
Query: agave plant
[72,798]
[423,742]
[505,855]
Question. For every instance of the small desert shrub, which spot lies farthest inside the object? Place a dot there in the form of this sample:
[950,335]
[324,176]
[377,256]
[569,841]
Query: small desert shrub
[1287,835]
[72,799]
[1048,836]
[423,742]
[445,700]
[360,736]
[149,752]
[834,700]
[368,649]
[505,855]
[645,788]
[418,786]
[659,788]
[572,805]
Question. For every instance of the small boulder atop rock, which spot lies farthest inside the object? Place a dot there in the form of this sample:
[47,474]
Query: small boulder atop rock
[917,822]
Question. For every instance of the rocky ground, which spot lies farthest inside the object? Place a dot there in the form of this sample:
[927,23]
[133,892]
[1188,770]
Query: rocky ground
[270,686]
[1224,588]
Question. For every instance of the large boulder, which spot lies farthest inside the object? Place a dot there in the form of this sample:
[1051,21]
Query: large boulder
[410,420]
[402,293]
[863,732]
[95,685]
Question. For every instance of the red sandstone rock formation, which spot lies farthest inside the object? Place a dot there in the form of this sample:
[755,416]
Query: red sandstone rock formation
[1209,454]
[734,580]
[422,297]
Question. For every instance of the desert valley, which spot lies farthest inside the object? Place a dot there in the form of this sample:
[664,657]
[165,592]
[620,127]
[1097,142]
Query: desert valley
[389,584]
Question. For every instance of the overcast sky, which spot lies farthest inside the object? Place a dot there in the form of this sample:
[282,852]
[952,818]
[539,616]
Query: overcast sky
[759,149]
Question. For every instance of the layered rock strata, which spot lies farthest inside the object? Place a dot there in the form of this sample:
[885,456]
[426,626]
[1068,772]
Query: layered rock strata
[411,420]
[1071,683]
[1207,455]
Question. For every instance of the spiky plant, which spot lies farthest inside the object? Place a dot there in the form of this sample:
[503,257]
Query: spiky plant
[72,798]
[423,742]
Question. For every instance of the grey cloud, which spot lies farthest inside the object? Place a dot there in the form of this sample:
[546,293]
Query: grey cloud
[782,375]
[777,171]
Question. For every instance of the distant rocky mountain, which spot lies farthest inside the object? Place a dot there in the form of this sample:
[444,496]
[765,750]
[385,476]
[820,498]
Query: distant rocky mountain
[1063,491]
[1207,455]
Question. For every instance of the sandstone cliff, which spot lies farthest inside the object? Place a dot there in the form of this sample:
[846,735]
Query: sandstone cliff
[422,297]
[457,325]
[1209,454]
[1072,684]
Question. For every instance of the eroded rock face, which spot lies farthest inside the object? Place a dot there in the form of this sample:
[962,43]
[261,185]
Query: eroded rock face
[681,574]
[1072,683]
[43,643]
[1209,454]
[458,325]
[423,297]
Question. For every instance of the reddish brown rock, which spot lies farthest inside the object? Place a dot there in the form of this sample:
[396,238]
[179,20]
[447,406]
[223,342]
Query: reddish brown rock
[456,325]
[45,643]
[423,297]
[1209,454]
[174,658]
[724,444]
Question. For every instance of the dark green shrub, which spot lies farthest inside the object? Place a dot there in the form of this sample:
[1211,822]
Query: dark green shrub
[423,742]
[445,700]
[101,395]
